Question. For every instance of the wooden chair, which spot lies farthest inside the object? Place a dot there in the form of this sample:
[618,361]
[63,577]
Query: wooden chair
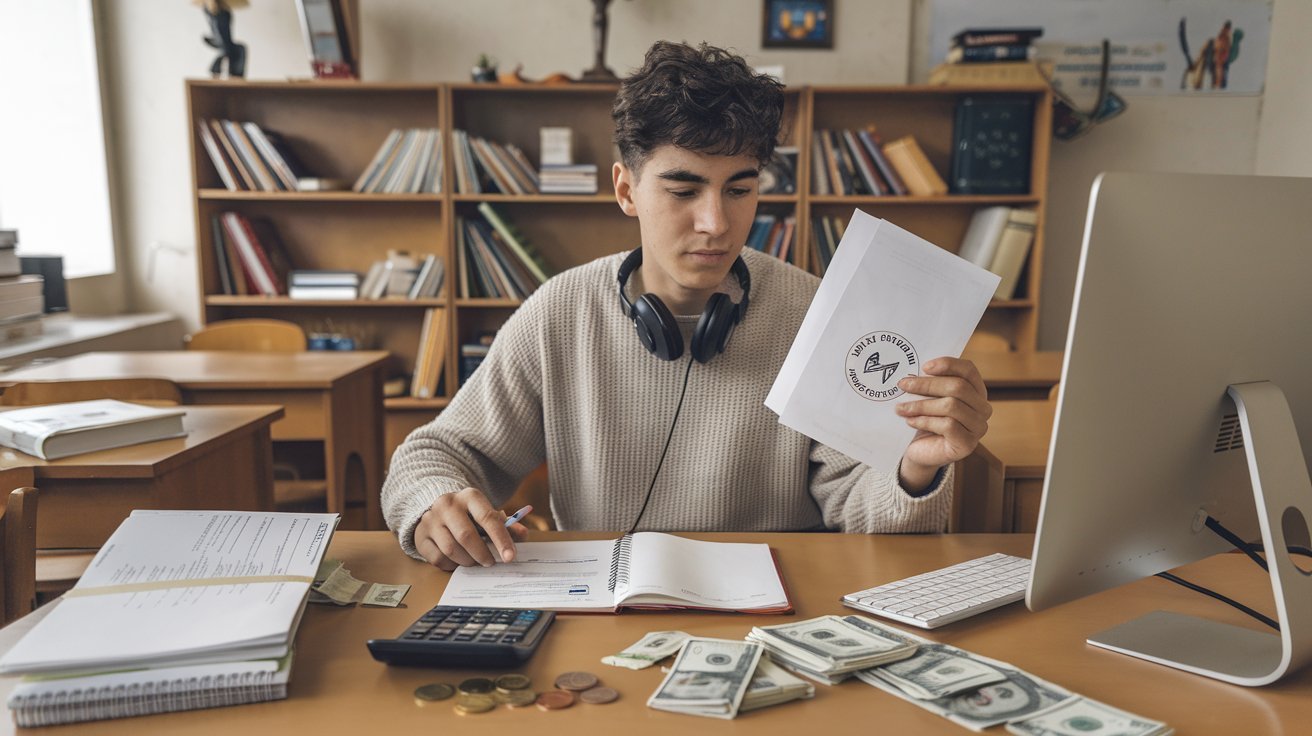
[987,342]
[18,574]
[264,335]
[151,391]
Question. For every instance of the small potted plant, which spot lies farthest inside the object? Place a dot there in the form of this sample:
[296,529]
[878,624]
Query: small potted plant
[485,70]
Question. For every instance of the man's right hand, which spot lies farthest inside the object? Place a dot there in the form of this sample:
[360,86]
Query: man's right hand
[447,535]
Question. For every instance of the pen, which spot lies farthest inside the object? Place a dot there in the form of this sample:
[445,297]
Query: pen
[518,515]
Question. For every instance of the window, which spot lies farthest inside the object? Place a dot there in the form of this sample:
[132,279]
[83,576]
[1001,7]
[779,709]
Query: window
[54,184]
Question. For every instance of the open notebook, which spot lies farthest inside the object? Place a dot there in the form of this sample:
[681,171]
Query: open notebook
[643,570]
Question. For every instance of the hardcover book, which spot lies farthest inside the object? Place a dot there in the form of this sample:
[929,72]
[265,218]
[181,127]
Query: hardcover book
[59,430]
[992,138]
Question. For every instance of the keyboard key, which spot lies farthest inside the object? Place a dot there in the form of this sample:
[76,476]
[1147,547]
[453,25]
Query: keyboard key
[950,594]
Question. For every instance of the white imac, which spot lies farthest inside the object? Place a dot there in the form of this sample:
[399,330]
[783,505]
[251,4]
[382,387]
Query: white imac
[1186,392]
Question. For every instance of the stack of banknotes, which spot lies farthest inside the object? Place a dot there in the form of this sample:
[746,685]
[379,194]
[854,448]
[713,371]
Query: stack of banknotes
[772,685]
[710,677]
[831,648]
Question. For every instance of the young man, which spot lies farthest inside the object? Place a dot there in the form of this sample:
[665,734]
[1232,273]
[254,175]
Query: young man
[637,430]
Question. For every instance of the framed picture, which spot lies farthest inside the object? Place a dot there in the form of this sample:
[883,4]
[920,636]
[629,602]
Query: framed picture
[324,26]
[798,24]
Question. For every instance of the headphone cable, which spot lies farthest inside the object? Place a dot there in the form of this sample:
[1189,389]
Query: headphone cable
[677,410]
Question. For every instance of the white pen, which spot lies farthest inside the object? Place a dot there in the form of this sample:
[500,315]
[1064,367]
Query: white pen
[518,515]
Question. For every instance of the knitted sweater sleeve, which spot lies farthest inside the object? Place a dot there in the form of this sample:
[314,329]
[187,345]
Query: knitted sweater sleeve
[488,438]
[855,498]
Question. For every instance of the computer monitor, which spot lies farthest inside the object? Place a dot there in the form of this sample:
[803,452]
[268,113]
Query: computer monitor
[1186,392]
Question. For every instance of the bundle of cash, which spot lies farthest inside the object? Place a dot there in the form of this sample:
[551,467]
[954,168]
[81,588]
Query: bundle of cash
[829,648]
[333,583]
[772,685]
[709,678]
[1009,695]
[1080,716]
[648,650]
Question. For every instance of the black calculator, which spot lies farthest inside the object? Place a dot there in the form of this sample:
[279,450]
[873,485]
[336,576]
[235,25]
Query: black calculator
[467,638]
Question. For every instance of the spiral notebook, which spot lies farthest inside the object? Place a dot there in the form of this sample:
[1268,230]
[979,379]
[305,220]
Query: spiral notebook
[643,570]
[54,700]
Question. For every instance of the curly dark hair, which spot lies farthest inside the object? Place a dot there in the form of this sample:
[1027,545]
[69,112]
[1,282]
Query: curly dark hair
[704,99]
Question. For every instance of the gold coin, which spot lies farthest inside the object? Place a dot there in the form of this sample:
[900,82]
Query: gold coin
[476,706]
[477,685]
[513,682]
[434,691]
[476,700]
[555,700]
[577,681]
[516,698]
[599,695]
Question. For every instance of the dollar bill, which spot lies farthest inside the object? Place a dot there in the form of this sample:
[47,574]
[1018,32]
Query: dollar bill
[384,594]
[832,646]
[341,588]
[1080,716]
[772,685]
[1016,696]
[648,650]
[709,678]
[937,671]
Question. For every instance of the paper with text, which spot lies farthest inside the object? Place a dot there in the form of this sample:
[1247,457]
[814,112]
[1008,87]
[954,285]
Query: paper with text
[168,613]
[548,575]
[889,302]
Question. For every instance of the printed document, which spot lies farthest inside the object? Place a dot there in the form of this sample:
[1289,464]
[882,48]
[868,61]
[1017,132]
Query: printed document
[889,302]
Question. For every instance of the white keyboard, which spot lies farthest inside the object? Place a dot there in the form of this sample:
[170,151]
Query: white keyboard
[939,597]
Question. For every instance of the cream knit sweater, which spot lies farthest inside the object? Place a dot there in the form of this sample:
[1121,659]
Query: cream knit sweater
[567,381]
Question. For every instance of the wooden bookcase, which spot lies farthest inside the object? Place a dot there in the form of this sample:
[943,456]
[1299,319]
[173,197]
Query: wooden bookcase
[335,128]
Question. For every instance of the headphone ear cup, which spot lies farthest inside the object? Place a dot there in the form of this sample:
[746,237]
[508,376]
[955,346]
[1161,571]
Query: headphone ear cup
[714,327]
[657,328]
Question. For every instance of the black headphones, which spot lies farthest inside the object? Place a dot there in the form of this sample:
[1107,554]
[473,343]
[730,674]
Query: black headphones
[658,330]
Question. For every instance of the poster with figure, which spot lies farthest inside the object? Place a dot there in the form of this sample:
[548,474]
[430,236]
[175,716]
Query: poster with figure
[1158,47]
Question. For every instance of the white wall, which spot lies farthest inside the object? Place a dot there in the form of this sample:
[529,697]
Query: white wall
[153,45]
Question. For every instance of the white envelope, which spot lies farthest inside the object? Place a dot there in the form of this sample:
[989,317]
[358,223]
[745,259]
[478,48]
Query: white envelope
[889,302]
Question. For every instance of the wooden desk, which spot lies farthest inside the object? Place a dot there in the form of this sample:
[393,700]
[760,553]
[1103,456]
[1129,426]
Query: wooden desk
[224,462]
[337,688]
[1010,376]
[331,397]
[1004,476]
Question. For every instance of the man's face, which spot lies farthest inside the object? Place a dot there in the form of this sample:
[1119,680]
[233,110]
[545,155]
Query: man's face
[694,211]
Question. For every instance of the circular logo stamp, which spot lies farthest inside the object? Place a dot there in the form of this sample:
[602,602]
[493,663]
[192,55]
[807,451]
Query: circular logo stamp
[877,361]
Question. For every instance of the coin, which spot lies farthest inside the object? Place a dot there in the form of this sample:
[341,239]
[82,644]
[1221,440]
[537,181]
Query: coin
[434,691]
[576,681]
[476,702]
[476,685]
[555,700]
[516,698]
[513,682]
[599,695]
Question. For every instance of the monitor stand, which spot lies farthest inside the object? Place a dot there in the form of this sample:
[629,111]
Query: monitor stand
[1283,493]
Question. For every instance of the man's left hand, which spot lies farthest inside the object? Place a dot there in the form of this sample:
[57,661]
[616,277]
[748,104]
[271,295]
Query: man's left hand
[950,420]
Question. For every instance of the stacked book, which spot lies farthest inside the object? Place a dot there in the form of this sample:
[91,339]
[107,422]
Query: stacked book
[830,649]
[484,166]
[992,56]
[826,233]
[323,284]
[249,157]
[496,262]
[772,234]
[249,255]
[568,178]
[22,297]
[859,162]
[409,162]
[179,610]
[430,356]
[404,276]
[999,239]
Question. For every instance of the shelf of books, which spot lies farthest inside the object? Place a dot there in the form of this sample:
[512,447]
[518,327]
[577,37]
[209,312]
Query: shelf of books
[938,160]
[416,218]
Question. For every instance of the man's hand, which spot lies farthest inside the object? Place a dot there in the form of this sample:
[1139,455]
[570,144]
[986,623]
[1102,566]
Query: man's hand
[950,420]
[448,533]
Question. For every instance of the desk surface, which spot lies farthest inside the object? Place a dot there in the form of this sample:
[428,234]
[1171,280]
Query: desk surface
[192,369]
[204,424]
[337,688]
[1019,436]
[1019,369]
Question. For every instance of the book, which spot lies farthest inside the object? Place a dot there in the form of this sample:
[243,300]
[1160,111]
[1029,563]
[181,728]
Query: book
[645,570]
[20,329]
[432,352]
[529,257]
[913,167]
[874,145]
[1013,247]
[101,696]
[181,589]
[974,54]
[323,284]
[980,242]
[218,157]
[53,431]
[996,36]
[992,138]
[992,73]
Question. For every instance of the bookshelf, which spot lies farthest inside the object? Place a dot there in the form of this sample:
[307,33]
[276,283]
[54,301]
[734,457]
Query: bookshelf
[336,127]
